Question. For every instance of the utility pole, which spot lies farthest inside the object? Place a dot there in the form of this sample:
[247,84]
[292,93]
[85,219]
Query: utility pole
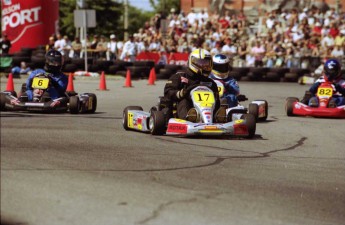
[125,25]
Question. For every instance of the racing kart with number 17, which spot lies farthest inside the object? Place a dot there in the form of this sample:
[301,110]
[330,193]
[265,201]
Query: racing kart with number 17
[158,122]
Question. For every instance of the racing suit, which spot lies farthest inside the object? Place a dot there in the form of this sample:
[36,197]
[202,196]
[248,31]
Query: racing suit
[231,89]
[338,95]
[58,88]
[187,80]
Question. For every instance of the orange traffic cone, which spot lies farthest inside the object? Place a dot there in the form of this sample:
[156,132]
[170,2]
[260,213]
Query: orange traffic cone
[102,83]
[70,86]
[10,85]
[151,77]
[154,74]
[128,82]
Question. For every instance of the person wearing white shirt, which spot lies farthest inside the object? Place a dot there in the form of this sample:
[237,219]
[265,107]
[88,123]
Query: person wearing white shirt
[112,48]
[129,49]
[192,16]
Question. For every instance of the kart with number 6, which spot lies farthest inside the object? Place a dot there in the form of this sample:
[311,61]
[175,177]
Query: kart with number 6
[42,102]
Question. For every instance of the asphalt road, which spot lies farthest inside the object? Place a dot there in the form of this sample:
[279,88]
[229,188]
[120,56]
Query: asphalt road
[86,169]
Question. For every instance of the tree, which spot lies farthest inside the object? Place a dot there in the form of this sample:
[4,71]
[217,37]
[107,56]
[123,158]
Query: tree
[164,6]
[109,16]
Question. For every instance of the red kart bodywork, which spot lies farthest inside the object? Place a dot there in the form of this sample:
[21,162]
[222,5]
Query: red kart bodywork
[324,95]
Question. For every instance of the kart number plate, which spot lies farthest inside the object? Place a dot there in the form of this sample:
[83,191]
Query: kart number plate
[130,120]
[40,83]
[324,92]
[203,98]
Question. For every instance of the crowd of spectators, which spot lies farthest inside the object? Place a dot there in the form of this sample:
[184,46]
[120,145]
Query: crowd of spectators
[277,39]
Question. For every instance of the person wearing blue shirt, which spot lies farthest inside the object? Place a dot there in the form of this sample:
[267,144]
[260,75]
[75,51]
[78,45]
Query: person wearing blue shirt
[220,72]
[59,81]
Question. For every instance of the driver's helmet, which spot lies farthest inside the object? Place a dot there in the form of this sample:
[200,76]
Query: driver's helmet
[200,62]
[54,61]
[221,65]
[332,69]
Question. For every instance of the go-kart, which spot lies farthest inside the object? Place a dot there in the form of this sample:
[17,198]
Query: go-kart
[158,122]
[258,108]
[324,94]
[42,102]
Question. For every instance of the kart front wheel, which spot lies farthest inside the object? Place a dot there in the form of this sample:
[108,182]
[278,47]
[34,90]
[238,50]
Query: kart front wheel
[74,104]
[157,123]
[251,124]
[3,101]
[289,105]
[125,115]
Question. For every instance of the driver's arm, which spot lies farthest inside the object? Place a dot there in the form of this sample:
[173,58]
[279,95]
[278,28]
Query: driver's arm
[172,87]
[314,87]
[60,83]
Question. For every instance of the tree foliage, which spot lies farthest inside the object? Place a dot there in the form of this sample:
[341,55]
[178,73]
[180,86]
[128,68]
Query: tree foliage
[109,16]
[164,6]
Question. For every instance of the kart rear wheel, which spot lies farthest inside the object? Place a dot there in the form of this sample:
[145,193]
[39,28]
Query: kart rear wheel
[74,104]
[157,123]
[125,115]
[254,110]
[266,111]
[251,124]
[94,102]
[289,105]
[3,100]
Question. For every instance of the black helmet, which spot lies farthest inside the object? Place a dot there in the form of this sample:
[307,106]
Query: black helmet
[332,69]
[54,61]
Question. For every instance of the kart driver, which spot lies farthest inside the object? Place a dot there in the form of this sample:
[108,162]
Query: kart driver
[220,72]
[331,73]
[179,85]
[59,81]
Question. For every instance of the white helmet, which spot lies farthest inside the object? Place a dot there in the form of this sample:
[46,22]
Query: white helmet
[200,62]
[221,65]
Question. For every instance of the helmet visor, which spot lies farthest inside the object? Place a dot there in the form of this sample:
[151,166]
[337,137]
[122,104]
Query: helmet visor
[54,61]
[203,64]
[221,68]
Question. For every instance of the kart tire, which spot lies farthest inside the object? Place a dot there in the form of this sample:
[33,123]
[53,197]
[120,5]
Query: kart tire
[74,104]
[289,105]
[266,110]
[251,124]
[125,115]
[94,102]
[254,110]
[2,101]
[157,123]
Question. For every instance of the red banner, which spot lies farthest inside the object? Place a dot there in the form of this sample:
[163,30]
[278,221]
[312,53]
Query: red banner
[172,58]
[29,23]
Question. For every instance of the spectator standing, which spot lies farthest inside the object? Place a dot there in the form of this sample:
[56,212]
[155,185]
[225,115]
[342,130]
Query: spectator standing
[112,48]
[242,53]
[67,46]
[192,17]
[129,49]
[258,52]
[102,47]
[93,46]
[50,44]
[5,44]
[76,47]
[59,44]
